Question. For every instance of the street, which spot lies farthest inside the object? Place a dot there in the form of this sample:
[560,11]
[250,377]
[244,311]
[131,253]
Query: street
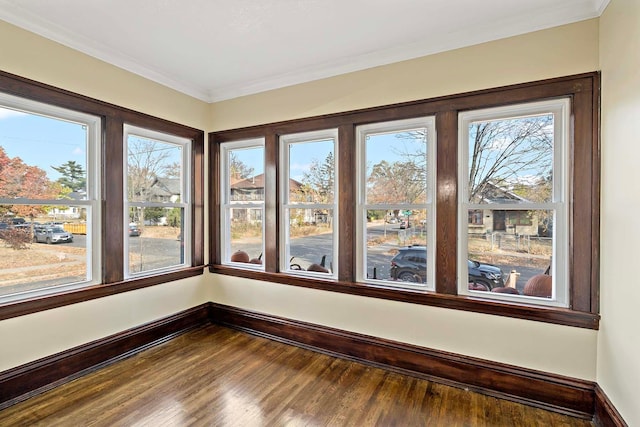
[310,249]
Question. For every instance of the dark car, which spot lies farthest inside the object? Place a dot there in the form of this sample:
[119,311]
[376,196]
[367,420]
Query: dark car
[17,221]
[410,265]
[51,234]
[134,231]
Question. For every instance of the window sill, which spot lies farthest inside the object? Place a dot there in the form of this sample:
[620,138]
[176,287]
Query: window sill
[36,304]
[558,316]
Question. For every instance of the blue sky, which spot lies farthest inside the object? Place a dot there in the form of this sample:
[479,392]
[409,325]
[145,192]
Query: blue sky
[380,147]
[42,141]
[45,142]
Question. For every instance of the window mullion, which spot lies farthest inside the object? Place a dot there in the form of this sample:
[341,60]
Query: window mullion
[113,225]
[270,207]
[446,202]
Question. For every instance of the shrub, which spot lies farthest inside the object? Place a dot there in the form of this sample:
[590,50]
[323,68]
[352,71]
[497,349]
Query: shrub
[16,238]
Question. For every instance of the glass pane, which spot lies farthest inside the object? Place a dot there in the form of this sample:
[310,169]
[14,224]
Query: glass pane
[397,167]
[311,240]
[154,245]
[42,247]
[312,172]
[246,235]
[41,157]
[154,170]
[397,245]
[246,175]
[508,248]
[511,160]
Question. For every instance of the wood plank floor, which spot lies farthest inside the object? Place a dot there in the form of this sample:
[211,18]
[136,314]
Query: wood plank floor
[215,376]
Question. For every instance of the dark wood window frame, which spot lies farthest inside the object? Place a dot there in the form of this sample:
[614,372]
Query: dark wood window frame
[112,199]
[584,92]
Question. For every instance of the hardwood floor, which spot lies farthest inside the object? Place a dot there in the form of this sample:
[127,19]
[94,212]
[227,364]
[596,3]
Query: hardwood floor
[215,376]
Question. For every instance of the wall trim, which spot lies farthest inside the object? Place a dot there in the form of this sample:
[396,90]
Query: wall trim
[570,396]
[547,391]
[28,380]
[605,414]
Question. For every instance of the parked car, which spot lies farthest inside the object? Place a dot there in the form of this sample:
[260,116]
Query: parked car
[410,265]
[51,234]
[133,230]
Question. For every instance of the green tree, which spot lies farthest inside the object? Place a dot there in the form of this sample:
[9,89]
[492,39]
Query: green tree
[174,217]
[154,214]
[73,175]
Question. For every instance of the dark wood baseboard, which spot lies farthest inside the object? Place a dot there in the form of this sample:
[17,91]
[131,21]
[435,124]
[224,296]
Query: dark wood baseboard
[565,395]
[36,377]
[605,414]
[539,389]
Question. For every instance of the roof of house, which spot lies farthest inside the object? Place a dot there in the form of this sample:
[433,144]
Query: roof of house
[257,181]
[165,187]
[493,193]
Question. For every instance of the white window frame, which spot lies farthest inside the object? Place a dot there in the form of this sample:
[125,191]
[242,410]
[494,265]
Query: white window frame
[184,203]
[226,204]
[392,127]
[286,206]
[91,202]
[560,203]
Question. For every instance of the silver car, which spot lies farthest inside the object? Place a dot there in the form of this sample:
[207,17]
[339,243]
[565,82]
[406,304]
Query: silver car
[52,234]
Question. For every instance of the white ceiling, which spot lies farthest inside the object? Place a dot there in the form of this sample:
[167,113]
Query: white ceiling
[221,49]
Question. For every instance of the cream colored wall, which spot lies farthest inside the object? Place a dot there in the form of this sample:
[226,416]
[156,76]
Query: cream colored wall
[29,55]
[551,348]
[37,335]
[541,346]
[619,340]
[565,50]
[560,51]
[31,337]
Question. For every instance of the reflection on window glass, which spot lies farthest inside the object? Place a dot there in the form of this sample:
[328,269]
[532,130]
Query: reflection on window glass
[309,234]
[47,199]
[243,208]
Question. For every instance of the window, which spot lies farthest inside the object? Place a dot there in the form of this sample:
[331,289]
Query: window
[439,201]
[81,215]
[513,167]
[310,207]
[395,209]
[158,208]
[242,209]
[49,193]
[476,217]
